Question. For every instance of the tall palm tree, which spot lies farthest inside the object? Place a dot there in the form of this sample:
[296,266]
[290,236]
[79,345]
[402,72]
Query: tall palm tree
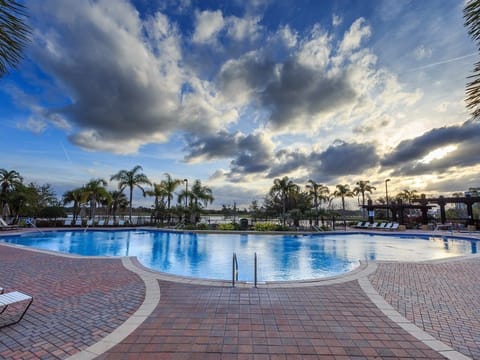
[131,178]
[362,188]
[343,191]
[169,186]
[118,200]
[283,187]
[202,196]
[14,34]
[77,196]
[407,195]
[159,193]
[8,181]
[471,14]
[95,191]
[319,192]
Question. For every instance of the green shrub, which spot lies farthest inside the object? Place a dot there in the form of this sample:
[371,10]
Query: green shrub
[265,227]
[226,227]
[202,226]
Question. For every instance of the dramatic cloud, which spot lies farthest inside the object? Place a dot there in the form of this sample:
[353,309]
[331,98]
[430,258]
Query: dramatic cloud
[123,75]
[251,153]
[417,148]
[343,158]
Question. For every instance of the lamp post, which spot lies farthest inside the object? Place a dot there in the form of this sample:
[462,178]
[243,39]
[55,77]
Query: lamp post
[186,199]
[386,196]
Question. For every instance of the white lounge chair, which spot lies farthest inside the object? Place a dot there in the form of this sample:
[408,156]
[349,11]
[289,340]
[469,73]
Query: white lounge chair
[101,222]
[90,222]
[11,298]
[78,222]
[121,222]
[359,224]
[68,222]
[5,226]
[373,226]
[394,226]
[111,222]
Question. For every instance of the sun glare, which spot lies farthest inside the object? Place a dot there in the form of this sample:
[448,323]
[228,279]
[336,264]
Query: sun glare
[438,154]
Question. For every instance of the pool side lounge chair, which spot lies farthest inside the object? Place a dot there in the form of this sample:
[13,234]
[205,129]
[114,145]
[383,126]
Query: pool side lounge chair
[382,226]
[373,226]
[394,226]
[90,222]
[101,222]
[5,226]
[111,222]
[121,222]
[68,222]
[11,298]
[78,222]
[359,224]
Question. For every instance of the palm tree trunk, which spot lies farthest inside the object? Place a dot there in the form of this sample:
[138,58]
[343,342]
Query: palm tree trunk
[131,197]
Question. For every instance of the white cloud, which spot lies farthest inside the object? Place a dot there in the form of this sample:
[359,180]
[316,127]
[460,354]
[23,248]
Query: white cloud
[315,52]
[207,26]
[422,52]
[36,126]
[336,20]
[240,29]
[288,36]
[354,36]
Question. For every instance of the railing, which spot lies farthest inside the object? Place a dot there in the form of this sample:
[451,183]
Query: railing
[234,269]
[255,270]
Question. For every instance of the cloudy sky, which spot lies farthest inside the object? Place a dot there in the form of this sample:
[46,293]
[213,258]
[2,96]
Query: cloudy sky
[237,93]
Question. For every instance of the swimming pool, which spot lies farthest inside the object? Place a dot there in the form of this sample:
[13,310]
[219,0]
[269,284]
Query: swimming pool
[280,257]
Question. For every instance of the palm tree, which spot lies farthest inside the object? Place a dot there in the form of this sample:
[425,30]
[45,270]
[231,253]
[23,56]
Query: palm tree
[77,196]
[131,178]
[8,181]
[408,195]
[319,192]
[118,200]
[361,188]
[201,195]
[159,192]
[342,192]
[283,187]
[471,14]
[169,186]
[95,192]
[14,34]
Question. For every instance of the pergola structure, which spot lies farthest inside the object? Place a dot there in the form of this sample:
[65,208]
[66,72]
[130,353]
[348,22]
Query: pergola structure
[424,204]
[441,201]
[398,210]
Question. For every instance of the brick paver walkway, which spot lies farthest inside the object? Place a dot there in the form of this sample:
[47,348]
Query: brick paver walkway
[76,303]
[204,322]
[443,299]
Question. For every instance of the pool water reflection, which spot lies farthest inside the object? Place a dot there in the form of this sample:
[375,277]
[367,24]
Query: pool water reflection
[280,257]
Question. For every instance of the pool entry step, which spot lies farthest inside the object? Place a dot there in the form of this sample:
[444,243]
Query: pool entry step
[235,270]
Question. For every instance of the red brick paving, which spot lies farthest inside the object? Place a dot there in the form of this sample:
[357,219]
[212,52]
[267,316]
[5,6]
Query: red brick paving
[443,299]
[80,300]
[76,303]
[204,322]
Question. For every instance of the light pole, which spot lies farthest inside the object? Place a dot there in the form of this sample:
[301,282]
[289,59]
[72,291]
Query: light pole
[186,199]
[386,196]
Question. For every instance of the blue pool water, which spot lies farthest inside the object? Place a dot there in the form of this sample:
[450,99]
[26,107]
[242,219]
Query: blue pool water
[280,257]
